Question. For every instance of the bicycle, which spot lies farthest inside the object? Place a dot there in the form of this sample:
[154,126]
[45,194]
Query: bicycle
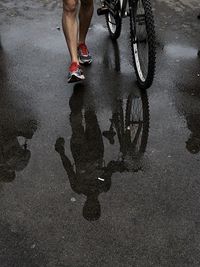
[142,34]
[131,125]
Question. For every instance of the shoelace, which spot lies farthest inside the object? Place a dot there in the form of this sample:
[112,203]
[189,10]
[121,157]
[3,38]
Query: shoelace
[73,67]
[83,49]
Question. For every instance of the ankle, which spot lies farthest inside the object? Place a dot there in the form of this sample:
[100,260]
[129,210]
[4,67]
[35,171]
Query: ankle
[74,61]
[73,66]
[81,43]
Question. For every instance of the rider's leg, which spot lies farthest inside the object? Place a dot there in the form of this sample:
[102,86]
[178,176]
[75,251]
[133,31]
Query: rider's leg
[85,16]
[70,26]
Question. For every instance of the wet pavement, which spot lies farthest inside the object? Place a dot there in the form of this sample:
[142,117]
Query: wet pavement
[79,184]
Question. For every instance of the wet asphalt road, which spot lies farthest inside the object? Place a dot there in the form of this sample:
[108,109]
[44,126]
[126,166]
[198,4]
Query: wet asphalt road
[140,211]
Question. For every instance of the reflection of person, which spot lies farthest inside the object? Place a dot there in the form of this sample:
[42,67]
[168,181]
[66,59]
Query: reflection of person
[199,50]
[193,142]
[89,177]
[14,156]
[187,104]
[14,123]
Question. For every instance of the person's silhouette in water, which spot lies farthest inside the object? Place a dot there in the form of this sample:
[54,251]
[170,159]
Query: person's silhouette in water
[14,157]
[89,177]
[193,142]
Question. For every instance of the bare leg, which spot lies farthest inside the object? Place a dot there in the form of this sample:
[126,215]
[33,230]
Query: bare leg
[70,26]
[85,16]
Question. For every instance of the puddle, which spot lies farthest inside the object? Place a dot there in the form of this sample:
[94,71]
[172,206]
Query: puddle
[98,28]
[179,51]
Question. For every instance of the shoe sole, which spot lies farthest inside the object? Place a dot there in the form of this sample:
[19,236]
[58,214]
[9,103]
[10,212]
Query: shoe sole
[87,62]
[75,78]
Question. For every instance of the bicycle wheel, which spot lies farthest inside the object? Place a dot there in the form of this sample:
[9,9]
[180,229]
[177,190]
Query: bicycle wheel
[114,22]
[137,122]
[143,44]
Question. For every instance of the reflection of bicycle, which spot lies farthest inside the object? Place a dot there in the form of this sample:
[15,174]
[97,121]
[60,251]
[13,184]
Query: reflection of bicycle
[142,33]
[131,128]
[87,172]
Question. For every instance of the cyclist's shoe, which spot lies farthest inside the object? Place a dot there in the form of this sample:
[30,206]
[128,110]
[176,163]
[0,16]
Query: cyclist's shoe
[75,73]
[84,55]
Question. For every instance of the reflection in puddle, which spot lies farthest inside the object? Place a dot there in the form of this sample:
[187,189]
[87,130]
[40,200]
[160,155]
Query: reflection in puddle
[103,146]
[88,172]
[14,152]
[98,28]
[193,142]
[15,130]
[179,51]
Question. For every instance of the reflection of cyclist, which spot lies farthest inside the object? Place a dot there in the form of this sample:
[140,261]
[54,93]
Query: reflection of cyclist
[193,143]
[89,177]
[14,156]
[191,115]
[199,49]
[70,27]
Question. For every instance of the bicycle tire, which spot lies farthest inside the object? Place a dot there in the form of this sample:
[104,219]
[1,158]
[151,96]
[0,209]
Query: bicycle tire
[143,82]
[114,33]
[145,117]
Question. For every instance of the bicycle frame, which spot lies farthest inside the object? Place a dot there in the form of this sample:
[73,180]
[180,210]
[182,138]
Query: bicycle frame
[123,7]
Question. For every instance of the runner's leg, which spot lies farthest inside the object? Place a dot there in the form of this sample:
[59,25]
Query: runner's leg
[85,16]
[70,26]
